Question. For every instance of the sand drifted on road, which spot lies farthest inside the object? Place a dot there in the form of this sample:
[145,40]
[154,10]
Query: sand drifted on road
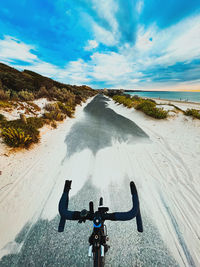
[101,150]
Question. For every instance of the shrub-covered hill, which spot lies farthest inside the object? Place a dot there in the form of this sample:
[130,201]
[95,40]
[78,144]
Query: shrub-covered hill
[19,90]
[12,80]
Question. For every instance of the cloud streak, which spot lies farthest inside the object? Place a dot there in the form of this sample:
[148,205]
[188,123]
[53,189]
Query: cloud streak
[107,43]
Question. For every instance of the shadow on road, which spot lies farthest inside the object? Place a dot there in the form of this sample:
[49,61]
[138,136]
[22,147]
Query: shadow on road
[100,126]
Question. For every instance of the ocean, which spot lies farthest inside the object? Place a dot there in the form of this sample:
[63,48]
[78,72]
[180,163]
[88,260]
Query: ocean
[183,96]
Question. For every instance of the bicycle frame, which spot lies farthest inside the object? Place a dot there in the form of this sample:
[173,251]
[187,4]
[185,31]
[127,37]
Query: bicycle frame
[98,238]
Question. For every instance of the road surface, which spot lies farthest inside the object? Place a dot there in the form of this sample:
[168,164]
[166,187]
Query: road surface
[105,151]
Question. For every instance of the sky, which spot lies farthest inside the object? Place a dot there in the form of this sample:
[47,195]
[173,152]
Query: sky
[130,44]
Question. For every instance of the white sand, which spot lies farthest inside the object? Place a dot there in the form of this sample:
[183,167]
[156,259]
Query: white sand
[166,173]
[28,177]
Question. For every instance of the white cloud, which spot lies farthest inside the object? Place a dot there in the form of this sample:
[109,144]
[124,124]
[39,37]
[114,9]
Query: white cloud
[106,10]
[104,36]
[75,72]
[178,43]
[185,46]
[92,44]
[139,6]
[109,66]
[13,49]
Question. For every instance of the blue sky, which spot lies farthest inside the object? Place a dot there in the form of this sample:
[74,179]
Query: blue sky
[135,44]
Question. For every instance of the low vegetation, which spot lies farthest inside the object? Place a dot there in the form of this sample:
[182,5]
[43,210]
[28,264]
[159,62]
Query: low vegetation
[147,106]
[17,133]
[54,115]
[193,113]
[67,108]
[18,87]
[16,137]
[5,104]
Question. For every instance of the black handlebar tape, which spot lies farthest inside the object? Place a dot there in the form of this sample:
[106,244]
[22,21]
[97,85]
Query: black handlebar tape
[67,186]
[139,222]
[133,188]
[61,224]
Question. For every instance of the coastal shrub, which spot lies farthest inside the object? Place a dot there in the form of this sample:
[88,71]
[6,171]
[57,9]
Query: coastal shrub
[5,104]
[52,107]
[53,124]
[42,92]
[2,117]
[54,115]
[148,106]
[26,96]
[122,99]
[36,122]
[150,109]
[193,113]
[16,137]
[68,110]
[4,95]
[68,96]
[14,96]
[30,127]
[78,100]
[62,94]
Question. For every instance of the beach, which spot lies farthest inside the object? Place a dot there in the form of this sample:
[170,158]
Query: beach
[101,150]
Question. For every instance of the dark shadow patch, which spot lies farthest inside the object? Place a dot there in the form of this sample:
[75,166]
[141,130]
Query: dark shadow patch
[99,127]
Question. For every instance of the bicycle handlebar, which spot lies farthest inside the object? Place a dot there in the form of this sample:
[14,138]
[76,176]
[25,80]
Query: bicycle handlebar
[115,216]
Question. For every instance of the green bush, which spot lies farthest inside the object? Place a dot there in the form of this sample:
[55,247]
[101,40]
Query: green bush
[14,96]
[2,117]
[148,106]
[5,104]
[16,137]
[53,124]
[26,96]
[42,92]
[68,110]
[54,115]
[36,122]
[78,100]
[150,109]
[193,113]
[125,100]
[30,128]
[52,107]
[62,95]
[4,95]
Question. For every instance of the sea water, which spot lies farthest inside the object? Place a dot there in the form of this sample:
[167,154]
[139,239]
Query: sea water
[181,96]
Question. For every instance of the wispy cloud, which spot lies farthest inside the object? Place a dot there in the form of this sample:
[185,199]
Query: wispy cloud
[114,43]
[92,44]
[12,49]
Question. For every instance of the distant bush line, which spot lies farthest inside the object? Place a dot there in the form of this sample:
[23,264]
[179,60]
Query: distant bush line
[147,106]
[193,113]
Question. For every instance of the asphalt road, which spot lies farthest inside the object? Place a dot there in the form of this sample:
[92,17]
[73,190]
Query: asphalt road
[42,245]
